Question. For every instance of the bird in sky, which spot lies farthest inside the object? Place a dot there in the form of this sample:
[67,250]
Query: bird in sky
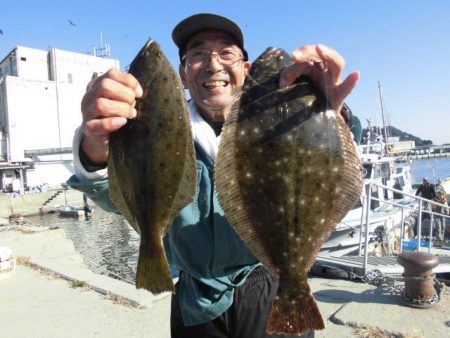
[72,23]
[1,31]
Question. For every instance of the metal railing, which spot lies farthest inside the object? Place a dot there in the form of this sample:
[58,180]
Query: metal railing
[416,203]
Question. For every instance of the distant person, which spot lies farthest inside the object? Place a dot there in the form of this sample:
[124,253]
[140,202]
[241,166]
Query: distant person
[87,209]
[439,220]
[426,190]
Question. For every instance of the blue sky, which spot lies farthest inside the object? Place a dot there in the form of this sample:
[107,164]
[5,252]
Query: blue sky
[403,44]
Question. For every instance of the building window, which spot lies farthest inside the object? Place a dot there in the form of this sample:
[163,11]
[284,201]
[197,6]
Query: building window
[22,58]
[69,78]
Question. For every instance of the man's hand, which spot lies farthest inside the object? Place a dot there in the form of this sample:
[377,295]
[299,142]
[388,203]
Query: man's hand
[107,104]
[324,66]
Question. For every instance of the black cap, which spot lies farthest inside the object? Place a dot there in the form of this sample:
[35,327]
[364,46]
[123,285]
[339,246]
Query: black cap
[202,22]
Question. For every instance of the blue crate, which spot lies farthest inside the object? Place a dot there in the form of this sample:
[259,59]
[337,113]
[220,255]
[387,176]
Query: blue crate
[411,244]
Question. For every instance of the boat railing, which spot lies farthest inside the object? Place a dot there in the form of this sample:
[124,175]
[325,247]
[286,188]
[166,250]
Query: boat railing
[415,203]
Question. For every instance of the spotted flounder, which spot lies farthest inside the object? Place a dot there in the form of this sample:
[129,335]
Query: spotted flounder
[151,164]
[287,172]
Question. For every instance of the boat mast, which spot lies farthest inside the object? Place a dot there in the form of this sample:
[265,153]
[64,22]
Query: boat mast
[383,115]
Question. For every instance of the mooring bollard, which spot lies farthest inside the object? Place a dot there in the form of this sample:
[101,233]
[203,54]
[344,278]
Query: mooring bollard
[419,278]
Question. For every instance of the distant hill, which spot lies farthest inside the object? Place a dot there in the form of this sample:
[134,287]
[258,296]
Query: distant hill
[394,132]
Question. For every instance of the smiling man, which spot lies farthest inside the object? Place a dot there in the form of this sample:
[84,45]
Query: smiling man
[223,291]
[213,69]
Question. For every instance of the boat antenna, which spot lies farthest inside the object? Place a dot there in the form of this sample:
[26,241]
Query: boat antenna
[383,115]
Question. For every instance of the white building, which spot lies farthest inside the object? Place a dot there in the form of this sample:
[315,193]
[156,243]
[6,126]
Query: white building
[40,98]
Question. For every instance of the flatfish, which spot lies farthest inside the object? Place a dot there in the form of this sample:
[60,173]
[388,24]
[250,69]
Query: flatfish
[151,163]
[287,172]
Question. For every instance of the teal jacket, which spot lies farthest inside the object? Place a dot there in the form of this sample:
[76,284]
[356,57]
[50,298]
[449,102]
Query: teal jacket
[200,243]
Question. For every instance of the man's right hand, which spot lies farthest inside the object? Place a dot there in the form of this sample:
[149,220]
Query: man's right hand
[107,104]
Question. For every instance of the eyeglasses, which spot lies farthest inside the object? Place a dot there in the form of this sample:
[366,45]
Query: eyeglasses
[196,58]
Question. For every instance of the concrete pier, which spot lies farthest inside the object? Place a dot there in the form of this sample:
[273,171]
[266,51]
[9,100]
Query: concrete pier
[42,300]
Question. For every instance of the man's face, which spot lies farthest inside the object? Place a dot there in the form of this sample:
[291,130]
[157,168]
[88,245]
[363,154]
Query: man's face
[213,85]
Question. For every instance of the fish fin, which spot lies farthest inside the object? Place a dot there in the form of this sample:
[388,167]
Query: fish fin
[153,272]
[294,316]
[188,184]
[116,194]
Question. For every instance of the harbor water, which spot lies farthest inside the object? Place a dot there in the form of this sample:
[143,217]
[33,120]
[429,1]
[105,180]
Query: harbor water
[110,246]
[433,168]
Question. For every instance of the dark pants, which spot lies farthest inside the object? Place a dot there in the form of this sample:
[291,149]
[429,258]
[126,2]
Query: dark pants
[246,318]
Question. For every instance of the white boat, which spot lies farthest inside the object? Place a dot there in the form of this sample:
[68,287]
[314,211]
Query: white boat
[366,244]
[71,211]
[388,208]
[388,220]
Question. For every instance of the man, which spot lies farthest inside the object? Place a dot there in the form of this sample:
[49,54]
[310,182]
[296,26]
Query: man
[426,190]
[440,219]
[223,291]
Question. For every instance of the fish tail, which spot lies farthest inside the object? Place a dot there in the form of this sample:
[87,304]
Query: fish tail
[153,272]
[294,316]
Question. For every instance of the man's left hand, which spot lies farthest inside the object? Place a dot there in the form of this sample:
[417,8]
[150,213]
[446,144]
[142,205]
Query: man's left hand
[324,66]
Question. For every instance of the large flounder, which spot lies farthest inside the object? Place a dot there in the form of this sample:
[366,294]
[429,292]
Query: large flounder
[287,172]
[151,164]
